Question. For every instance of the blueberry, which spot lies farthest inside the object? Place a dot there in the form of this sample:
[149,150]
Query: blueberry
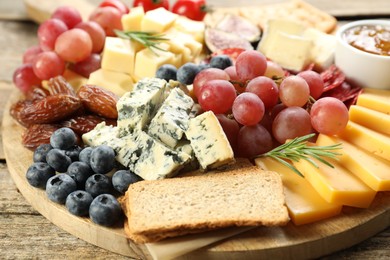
[122,179]
[98,184]
[59,187]
[80,172]
[187,72]
[167,72]
[203,66]
[78,202]
[63,138]
[221,62]
[58,160]
[73,153]
[85,155]
[38,174]
[41,152]
[102,159]
[105,210]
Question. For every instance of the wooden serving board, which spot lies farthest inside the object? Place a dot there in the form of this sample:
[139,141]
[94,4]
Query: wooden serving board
[290,242]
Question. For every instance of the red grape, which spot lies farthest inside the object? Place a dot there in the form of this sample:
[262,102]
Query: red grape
[122,7]
[24,78]
[74,45]
[217,95]
[274,70]
[238,85]
[87,66]
[206,75]
[291,122]
[109,19]
[231,128]
[315,82]
[68,14]
[294,91]
[30,54]
[48,32]
[250,64]
[253,140]
[48,65]
[266,89]
[276,109]
[329,115]
[96,33]
[248,109]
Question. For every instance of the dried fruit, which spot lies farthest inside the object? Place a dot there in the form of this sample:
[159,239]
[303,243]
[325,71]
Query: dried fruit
[37,93]
[38,134]
[59,85]
[49,109]
[85,123]
[99,101]
[17,108]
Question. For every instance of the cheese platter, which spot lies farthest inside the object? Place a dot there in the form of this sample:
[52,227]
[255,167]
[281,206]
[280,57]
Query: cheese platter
[253,242]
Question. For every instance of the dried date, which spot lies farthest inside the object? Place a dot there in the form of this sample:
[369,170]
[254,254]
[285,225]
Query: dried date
[99,101]
[38,134]
[85,123]
[37,93]
[59,85]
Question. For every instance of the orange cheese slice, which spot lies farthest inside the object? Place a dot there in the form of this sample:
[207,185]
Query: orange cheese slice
[367,139]
[372,170]
[375,101]
[336,185]
[372,119]
[304,203]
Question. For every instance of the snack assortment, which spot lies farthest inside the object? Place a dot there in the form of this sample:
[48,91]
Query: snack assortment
[161,97]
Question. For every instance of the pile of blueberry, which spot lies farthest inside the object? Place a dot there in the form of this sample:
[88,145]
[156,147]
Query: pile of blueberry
[80,177]
[186,73]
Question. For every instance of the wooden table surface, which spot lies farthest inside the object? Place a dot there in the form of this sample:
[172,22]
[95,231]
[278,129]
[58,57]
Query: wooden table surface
[24,233]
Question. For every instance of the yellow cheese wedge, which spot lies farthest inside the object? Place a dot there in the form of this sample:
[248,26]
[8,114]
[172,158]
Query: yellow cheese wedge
[117,82]
[119,55]
[190,27]
[369,118]
[304,203]
[367,139]
[148,61]
[74,79]
[158,20]
[374,101]
[375,91]
[336,185]
[132,20]
[372,170]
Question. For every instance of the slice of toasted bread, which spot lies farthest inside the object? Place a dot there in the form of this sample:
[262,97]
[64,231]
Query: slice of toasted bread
[171,207]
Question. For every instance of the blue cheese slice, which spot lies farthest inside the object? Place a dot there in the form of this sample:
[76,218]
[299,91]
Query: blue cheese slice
[171,120]
[136,108]
[101,134]
[128,151]
[156,160]
[210,144]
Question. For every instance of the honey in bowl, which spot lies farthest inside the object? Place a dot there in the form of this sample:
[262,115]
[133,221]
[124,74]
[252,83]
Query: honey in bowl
[369,38]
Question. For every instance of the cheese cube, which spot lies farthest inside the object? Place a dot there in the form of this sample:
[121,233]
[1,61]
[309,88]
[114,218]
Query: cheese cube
[181,43]
[119,55]
[132,20]
[101,134]
[336,185]
[210,144]
[158,20]
[367,139]
[372,119]
[324,45]
[372,170]
[376,101]
[148,61]
[190,27]
[74,79]
[304,203]
[290,51]
[117,82]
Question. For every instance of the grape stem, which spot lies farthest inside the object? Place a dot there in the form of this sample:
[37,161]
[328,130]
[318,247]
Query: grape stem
[147,39]
[298,149]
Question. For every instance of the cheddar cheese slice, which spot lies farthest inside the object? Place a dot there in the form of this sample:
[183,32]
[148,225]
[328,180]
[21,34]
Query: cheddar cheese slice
[375,101]
[372,170]
[337,184]
[304,203]
[367,139]
[369,118]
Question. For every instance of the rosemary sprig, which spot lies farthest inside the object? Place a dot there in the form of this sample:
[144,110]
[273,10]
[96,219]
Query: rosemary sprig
[147,39]
[298,149]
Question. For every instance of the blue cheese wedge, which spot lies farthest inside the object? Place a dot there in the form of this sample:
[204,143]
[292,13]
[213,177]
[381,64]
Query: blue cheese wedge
[137,108]
[171,120]
[128,151]
[156,160]
[209,142]
[101,134]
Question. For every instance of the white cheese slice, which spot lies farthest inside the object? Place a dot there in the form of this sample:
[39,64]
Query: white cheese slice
[324,45]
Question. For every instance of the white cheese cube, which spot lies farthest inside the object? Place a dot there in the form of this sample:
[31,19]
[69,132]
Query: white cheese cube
[158,20]
[171,120]
[117,82]
[210,144]
[132,20]
[324,45]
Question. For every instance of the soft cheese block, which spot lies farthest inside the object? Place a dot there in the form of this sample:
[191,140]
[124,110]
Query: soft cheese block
[323,49]
[158,20]
[304,203]
[132,20]
[374,100]
[210,144]
[369,118]
[117,82]
[367,139]
[372,170]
